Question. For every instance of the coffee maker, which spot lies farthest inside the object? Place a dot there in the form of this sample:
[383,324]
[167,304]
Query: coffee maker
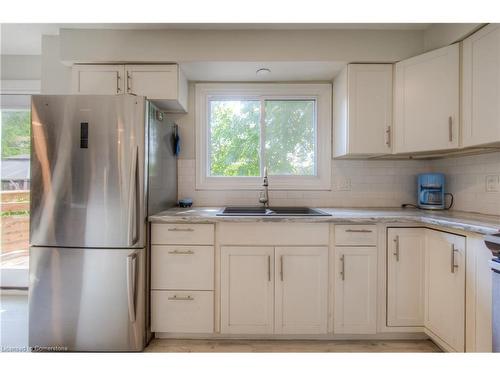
[430,190]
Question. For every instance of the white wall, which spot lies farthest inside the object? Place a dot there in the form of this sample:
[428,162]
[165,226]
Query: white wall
[20,67]
[56,77]
[79,45]
[442,34]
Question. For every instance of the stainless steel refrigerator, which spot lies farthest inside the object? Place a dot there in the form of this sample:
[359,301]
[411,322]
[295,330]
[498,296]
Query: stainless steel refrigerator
[99,166]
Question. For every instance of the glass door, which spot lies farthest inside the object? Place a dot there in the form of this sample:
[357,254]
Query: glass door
[15,127]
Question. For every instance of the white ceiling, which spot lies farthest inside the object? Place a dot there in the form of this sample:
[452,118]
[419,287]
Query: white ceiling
[245,71]
[25,39]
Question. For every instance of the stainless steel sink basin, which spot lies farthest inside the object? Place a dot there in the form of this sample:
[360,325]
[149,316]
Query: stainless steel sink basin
[273,211]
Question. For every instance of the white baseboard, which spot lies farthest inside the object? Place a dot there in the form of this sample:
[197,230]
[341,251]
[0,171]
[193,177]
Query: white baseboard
[215,336]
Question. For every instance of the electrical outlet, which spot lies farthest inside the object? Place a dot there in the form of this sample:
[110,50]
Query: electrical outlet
[492,183]
[344,184]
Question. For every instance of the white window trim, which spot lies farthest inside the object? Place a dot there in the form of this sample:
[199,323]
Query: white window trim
[322,92]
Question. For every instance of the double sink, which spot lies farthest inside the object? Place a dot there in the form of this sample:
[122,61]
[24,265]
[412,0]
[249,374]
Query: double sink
[272,211]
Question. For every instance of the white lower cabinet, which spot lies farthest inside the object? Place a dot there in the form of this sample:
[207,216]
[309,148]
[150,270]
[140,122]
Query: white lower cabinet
[301,289]
[180,311]
[405,277]
[247,289]
[445,289]
[355,301]
[267,290]
[182,278]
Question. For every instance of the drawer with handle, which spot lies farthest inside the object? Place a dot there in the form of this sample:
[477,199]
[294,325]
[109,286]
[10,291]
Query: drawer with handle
[182,311]
[182,267]
[182,234]
[356,235]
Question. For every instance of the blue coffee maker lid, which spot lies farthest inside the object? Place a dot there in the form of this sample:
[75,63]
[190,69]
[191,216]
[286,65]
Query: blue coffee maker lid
[431,180]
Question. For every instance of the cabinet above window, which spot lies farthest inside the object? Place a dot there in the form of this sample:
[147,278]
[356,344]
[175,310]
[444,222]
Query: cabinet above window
[164,84]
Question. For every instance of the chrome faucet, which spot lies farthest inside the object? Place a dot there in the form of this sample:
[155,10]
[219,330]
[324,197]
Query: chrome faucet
[264,195]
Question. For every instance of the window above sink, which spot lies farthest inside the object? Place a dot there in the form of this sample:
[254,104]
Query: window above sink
[242,128]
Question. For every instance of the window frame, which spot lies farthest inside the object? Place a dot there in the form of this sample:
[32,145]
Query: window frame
[320,92]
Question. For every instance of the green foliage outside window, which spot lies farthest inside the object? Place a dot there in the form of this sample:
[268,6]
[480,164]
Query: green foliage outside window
[234,138]
[289,131]
[15,133]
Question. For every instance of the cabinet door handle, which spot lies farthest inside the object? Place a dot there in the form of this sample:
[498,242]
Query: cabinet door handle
[281,267]
[450,128]
[269,268]
[453,265]
[180,298]
[396,253]
[129,82]
[342,267]
[358,230]
[118,89]
[179,252]
[388,136]
[180,229]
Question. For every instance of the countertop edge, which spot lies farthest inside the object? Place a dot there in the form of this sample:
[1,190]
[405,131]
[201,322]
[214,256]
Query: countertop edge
[355,217]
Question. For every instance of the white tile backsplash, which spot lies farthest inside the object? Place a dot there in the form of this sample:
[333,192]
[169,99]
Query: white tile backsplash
[374,183]
[466,180]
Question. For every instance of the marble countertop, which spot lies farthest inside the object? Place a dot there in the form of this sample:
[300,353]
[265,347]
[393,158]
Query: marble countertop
[466,221]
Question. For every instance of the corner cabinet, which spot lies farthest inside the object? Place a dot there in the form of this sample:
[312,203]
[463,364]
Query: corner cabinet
[481,87]
[445,289]
[164,84]
[363,110]
[405,277]
[426,102]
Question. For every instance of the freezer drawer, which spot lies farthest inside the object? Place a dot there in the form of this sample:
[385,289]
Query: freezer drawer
[87,299]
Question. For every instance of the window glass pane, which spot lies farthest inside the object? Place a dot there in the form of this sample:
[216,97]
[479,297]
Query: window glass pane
[290,137]
[15,128]
[234,137]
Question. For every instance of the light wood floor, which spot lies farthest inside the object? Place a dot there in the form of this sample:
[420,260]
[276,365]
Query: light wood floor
[302,346]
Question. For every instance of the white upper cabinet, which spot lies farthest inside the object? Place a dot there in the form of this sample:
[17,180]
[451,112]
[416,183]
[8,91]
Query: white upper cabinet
[481,87]
[301,290]
[363,110]
[426,102]
[98,79]
[445,288]
[164,84]
[405,277]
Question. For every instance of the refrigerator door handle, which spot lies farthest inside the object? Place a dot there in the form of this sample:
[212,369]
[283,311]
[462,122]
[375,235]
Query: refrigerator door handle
[136,203]
[131,284]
